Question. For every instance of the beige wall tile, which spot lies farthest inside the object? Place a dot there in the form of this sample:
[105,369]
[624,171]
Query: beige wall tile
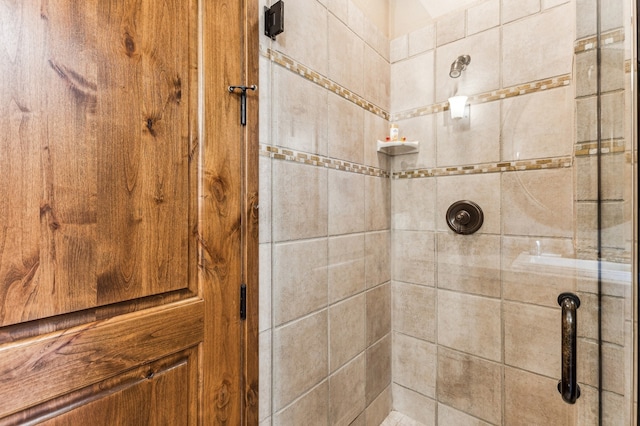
[346,393]
[422,40]
[377,79]
[295,43]
[469,263]
[264,95]
[346,266]
[379,409]
[421,129]
[525,276]
[612,68]
[538,202]
[531,399]
[451,416]
[471,385]
[548,4]
[346,202]
[375,128]
[340,8]
[482,336]
[586,119]
[346,331]
[483,16]
[265,366]
[615,226]
[612,318]
[377,211]
[586,77]
[414,202]
[482,189]
[378,258]
[399,49]
[299,112]
[413,254]
[522,135]
[614,366]
[612,107]
[299,279]
[414,310]
[450,27]
[586,18]
[265,194]
[482,73]
[300,352]
[469,141]
[311,409]
[612,16]
[346,130]
[265,309]
[356,19]
[532,338]
[512,10]
[346,56]
[377,38]
[414,405]
[612,180]
[414,365]
[527,57]
[378,369]
[413,76]
[378,313]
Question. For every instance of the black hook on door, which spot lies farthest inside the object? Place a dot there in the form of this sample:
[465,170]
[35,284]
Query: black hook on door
[243,100]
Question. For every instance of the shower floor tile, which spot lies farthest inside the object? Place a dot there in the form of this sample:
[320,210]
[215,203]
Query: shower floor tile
[398,419]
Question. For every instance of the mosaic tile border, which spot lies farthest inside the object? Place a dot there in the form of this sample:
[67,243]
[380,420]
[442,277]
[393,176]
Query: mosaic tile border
[287,62]
[503,166]
[278,153]
[590,43]
[583,149]
[495,95]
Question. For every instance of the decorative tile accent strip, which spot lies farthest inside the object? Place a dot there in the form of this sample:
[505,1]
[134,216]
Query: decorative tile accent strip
[319,161]
[583,149]
[590,43]
[287,62]
[506,166]
[496,95]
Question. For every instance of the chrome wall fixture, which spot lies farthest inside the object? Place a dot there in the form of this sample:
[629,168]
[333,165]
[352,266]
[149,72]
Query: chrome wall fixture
[459,65]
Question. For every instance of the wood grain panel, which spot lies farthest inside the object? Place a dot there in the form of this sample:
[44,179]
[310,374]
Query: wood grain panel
[160,392]
[250,231]
[221,210]
[160,398]
[39,369]
[97,133]
[145,60]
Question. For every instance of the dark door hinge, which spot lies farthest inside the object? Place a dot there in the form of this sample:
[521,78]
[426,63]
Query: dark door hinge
[243,302]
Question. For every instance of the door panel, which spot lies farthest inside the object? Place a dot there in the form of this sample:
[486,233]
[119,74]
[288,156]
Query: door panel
[122,226]
[96,112]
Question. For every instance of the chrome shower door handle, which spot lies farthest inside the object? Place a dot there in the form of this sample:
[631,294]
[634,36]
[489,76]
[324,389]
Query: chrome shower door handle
[568,386]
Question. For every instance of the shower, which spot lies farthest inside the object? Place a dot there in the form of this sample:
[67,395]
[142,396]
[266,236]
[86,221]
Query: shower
[459,65]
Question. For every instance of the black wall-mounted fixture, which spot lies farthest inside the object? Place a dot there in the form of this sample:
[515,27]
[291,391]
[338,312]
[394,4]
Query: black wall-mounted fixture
[274,20]
[464,217]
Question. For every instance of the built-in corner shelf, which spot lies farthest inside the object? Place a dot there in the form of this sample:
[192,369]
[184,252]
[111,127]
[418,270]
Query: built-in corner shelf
[398,147]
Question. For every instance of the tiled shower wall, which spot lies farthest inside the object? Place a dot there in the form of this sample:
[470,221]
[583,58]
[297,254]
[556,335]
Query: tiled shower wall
[476,334]
[325,303]
[360,275]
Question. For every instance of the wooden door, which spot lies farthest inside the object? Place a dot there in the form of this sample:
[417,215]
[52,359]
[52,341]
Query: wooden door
[128,212]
